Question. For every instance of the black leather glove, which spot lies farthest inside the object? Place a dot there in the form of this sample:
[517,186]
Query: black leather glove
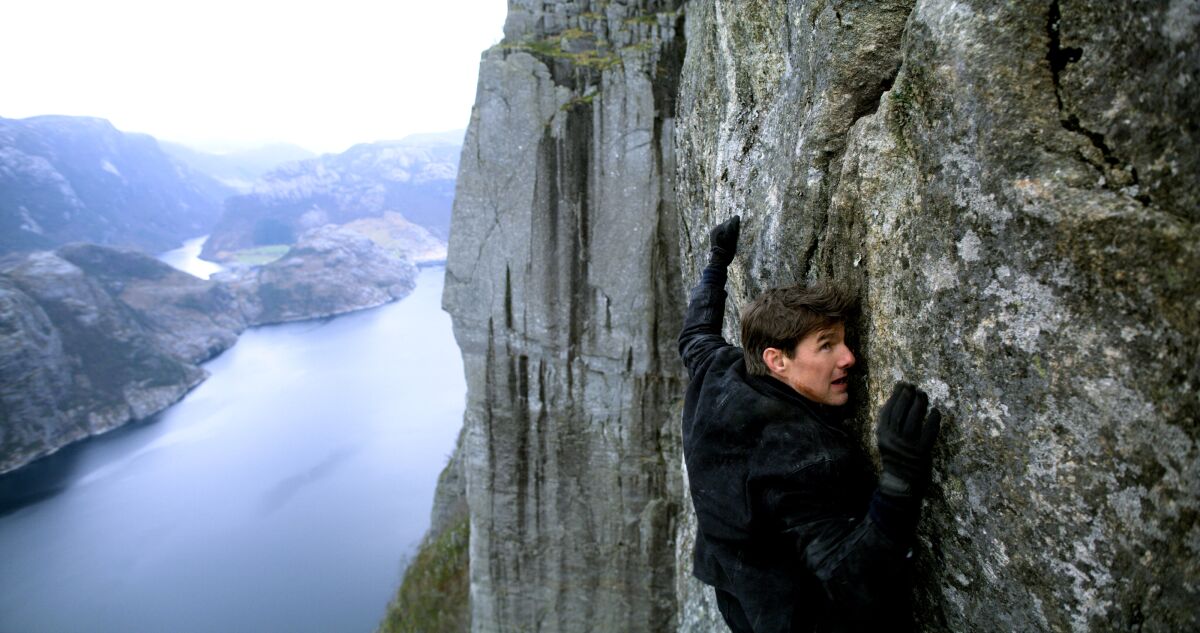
[906,440]
[723,241]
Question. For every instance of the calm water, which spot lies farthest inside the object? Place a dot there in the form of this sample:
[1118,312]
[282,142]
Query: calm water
[282,495]
[187,259]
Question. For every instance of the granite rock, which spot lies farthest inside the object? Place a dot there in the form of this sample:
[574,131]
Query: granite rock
[1010,188]
[1012,205]
[563,286]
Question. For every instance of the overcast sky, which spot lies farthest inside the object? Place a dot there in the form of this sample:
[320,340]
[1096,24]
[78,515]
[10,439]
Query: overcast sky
[321,74]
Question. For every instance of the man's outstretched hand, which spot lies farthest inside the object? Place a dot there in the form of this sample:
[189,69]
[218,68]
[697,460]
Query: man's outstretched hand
[723,241]
[906,440]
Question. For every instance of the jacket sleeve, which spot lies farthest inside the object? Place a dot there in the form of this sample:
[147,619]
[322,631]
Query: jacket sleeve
[701,334]
[860,560]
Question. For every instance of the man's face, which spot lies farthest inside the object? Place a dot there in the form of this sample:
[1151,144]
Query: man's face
[819,367]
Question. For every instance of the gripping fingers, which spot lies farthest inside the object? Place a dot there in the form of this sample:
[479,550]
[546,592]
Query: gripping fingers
[902,402]
[887,411]
[930,431]
[725,235]
[916,414]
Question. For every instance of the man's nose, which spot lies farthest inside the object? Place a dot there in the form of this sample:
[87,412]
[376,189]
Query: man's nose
[847,359]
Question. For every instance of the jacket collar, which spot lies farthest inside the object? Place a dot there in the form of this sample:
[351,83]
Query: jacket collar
[776,388]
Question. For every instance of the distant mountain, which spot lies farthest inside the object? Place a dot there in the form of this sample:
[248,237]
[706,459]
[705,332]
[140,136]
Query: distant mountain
[65,179]
[413,177]
[238,170]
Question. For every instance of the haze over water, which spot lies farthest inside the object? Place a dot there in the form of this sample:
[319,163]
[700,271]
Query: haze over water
[282,494]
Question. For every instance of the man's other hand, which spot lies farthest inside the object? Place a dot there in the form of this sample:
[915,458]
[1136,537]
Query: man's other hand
[723,241]
[906,440]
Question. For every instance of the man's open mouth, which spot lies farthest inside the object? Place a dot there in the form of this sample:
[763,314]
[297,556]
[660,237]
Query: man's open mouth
[841,381]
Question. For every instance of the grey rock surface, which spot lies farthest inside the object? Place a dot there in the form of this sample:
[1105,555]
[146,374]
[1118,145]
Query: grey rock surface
[65,179]
[450,496]
[1017,206]
[1009,185]
[563,286]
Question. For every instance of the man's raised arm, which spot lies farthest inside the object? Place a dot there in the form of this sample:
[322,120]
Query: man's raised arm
[701,334]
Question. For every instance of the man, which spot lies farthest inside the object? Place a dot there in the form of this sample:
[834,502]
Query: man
[795,533]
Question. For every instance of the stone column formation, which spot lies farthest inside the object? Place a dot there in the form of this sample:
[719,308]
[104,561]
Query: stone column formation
[564,284]
[1010,185]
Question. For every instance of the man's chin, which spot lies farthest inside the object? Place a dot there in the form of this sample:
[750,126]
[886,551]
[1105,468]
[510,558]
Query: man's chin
[838,398]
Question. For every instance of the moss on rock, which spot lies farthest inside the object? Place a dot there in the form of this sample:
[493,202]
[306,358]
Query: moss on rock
[434,595]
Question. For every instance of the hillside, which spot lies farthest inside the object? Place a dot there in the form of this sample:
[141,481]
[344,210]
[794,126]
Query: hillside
[66,179]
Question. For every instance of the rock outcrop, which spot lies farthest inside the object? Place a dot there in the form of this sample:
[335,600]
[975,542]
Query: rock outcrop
[397,235]
[93,337]
[66,179]
[413,177]
[1011,187]
[328,272]
[563,287]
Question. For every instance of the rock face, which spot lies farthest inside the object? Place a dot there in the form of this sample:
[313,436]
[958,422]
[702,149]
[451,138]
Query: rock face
[412,177]
[65,179]
[93,337]
[563,286]
[1011,187]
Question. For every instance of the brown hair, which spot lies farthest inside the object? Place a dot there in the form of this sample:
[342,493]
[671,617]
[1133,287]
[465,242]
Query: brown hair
[782,317]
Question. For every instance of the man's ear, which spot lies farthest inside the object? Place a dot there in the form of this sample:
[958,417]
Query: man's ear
[773,358]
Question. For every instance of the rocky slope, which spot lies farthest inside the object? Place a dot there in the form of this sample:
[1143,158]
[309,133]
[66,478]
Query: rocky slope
[65,179]
[413,177]
[94,337]
[79,360]
[1009,184]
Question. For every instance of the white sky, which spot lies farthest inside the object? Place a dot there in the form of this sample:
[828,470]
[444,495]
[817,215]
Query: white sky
[321,74]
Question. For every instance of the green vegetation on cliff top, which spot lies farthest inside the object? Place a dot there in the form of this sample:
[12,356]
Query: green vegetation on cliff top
[261,255]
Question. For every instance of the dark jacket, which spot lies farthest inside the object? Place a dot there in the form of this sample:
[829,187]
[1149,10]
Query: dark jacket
[790,522]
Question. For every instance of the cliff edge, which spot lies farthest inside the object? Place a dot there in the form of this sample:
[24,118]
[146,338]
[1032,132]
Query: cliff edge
[563,284]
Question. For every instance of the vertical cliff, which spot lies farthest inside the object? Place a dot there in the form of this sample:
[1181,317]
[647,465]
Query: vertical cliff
[1009,185]
[1012,186]
[563,282]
